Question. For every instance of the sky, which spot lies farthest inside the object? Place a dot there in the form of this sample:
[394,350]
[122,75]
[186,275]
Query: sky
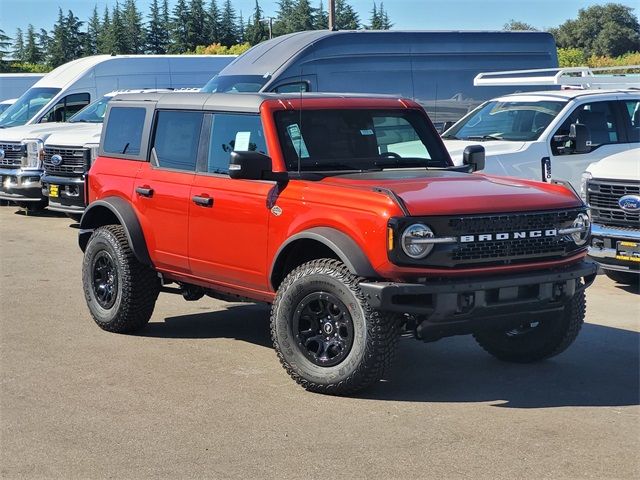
[405,14]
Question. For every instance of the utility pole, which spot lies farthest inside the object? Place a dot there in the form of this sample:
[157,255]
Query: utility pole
[332,15]
[268,20]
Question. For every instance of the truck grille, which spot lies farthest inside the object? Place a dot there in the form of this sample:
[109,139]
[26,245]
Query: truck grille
[12,155]
[73,161]
[603,196]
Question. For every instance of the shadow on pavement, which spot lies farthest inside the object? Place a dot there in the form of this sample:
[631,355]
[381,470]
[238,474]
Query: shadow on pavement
[602,367]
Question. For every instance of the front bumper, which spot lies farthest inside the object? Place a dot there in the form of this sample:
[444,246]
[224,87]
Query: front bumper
[603,248]
[20,185]
[460,306]
[70,199]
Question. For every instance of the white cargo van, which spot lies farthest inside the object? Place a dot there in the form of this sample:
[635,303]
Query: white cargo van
[12,85]
[70,87]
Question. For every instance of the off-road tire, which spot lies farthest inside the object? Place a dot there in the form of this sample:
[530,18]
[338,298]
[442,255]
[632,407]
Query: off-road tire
[552,336]
[375,334]
[137,285]
[626,278]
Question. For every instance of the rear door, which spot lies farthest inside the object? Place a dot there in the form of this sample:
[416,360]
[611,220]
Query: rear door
[228,219]
[161,193]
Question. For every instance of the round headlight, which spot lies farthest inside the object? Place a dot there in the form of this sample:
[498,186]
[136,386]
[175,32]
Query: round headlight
[582,221]
[414,242]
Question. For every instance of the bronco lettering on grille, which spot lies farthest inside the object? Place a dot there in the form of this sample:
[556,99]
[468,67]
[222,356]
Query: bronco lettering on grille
[489,237]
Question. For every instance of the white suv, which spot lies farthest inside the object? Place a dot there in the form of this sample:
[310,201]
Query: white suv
[557,133]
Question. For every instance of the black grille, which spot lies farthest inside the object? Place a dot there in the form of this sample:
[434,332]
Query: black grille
[12,155]
[603,197]
[73,161]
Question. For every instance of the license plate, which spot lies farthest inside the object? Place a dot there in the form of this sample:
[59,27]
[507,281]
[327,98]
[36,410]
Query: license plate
[53,190]
[629,251]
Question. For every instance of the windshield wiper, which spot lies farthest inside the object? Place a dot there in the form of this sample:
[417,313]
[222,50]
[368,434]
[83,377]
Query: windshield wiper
[483,137]
[451,137]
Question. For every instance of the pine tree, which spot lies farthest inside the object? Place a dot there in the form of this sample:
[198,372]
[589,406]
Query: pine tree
[117,31]
[132,27]
[321,17]
[58,49]
[5,44]
[346,16]
[179,34]
[156,35]
[214,22]
[228,29]
[44,43]
[376,21]
[75,36]
[256,31]
[197,25]
[284,18]
[32,53]
[104,40]
[91,37]
[384,18]
[18,46]
[301,16]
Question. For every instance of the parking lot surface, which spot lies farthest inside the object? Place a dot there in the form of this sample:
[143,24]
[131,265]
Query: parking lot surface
[199,393]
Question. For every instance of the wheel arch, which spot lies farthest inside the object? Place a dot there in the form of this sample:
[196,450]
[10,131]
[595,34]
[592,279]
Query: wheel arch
[319,242]
[114,210]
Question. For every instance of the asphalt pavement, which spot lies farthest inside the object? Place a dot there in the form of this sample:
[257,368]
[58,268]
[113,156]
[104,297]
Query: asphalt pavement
[199,393]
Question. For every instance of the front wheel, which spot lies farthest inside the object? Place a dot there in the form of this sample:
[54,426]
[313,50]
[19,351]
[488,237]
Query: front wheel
[536,340]
[120,291]
[325,334]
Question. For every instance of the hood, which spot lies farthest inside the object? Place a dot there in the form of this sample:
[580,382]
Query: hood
[452,193]
[491,147]
[39,130]
[621,166]
[76,135]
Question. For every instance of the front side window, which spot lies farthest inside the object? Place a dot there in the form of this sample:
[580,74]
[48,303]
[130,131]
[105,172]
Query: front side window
[514,120]
[358,139]
[123,134]
[30,103]
[93,113]
[600,120]
[176,140]
[631,112]
[67,107]
[233,132]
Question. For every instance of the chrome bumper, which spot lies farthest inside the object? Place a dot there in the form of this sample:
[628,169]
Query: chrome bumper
[21,185]
[603,246]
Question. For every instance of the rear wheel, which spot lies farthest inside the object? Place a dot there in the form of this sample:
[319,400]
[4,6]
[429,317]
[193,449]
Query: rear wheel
[536,340]
[327,337]
[120,291]
[626,278]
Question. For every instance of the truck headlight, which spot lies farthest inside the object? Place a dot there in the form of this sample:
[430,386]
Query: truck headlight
[415,241]
[33,154]
[582,223]
[586,176]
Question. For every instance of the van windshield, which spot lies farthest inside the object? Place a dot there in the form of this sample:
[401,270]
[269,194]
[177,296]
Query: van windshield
[235,84]
[92,113]
[358,139]
[515,121]
[30,103]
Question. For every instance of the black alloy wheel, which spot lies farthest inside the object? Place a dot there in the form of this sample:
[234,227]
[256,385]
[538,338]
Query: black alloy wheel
[105,279]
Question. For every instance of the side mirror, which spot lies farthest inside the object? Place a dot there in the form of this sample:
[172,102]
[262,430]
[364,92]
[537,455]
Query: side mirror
[581,137]
[253,166]
[473,156]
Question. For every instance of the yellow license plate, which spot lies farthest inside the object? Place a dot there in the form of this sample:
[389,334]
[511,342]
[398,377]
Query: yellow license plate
[628,251]
[53,191]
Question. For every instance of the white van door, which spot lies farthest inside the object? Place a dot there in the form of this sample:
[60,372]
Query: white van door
[606,137]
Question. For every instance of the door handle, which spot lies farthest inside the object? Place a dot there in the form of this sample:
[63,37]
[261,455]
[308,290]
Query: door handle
[144,191]
[202,201]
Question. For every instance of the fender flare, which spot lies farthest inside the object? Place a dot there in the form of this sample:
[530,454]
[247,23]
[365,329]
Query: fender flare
[122,210]
[347,250]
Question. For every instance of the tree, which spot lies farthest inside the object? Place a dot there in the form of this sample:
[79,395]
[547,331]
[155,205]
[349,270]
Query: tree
[256,31]
[321,17]
[75,36]
[197,26]
[58,51]
[214,22]
[103,40]
[384,18]
[157,35]
[346,16]
[283,18]
[44,43]
[18,46]
[32,53]
[91,37]
[117,36]
[132,27]
[5,44]
[228,29]
[179,35]
[516,25]
[301,17]
[611,29]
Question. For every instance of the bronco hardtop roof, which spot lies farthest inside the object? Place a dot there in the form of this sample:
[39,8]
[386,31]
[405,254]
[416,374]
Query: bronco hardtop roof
[241,102]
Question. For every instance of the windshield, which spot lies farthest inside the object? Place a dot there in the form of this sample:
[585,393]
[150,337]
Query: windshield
[92,113]
[26,106]
[235,84]
[518,121]
[324,140]
[4,106]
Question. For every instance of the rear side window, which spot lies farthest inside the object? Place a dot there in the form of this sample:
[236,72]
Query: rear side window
[233,132]
[176,139]
[123,133]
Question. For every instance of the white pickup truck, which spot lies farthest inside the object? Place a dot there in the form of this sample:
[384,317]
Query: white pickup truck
[611,187]
[553,133]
